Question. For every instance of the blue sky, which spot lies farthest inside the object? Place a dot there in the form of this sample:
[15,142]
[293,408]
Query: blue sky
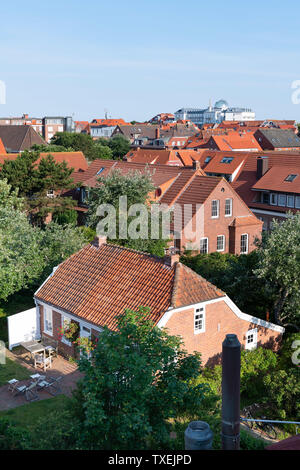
[139,58]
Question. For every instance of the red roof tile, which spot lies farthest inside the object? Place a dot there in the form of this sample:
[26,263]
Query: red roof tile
[99,282]
[275,180]
[74,160]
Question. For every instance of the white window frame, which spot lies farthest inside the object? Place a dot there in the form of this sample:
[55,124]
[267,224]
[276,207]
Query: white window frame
[48,319]
[223,238]
[247,246]
[275,196]
[218,209]
[228,199]
[282,196]
[253,344]
[63,320]
[201,239]
[287,201]
[199,311]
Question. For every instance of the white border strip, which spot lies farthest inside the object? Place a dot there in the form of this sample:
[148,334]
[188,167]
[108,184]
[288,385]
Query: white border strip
[243,316]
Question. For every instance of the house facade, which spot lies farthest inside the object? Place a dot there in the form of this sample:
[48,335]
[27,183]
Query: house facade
[99,282]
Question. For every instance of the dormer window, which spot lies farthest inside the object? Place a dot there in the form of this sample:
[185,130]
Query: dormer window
[227,160]
[290,178]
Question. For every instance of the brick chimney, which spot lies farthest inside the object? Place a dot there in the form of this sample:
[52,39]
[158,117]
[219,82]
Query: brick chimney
[262,166]
[157,133]
[171,259]
[196,165]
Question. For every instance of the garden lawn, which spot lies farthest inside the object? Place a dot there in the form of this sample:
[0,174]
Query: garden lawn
[16,303]
[12,370]
[27,415]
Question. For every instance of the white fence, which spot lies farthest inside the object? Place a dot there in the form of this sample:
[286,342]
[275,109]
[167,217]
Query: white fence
[23,326]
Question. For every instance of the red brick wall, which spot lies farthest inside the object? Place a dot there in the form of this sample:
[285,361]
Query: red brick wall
[219,321]
[220,226]
[63,348]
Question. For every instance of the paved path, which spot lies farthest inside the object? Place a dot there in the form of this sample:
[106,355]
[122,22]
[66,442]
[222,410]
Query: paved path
[60,367]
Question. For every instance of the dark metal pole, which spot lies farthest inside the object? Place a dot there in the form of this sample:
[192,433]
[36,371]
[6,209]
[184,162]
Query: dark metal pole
[231,371]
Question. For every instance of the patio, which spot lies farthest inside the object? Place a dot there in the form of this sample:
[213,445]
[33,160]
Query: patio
[60,367]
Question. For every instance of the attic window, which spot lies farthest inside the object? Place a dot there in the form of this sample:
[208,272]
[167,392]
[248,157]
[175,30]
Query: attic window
[207,160]
[99,171]
[290,178]
[227,160]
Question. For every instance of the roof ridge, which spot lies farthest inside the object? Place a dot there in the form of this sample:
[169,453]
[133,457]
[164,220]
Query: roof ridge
[139,252]
[187,268]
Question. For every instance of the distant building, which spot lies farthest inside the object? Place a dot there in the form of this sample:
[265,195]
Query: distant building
[215,114]
[54,124]
[17,138]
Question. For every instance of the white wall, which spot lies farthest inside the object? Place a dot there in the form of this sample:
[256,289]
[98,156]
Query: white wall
[23,326]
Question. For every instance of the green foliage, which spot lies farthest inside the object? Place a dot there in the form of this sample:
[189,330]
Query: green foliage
[119,146]
[136,186]
[279,268]
[103,151]
[69,216]
[289,348]
[9,197]
[138,379]
[284,393]
[33,180]
[235,276]
[50,148]
[88,233]
[28,254]
[255,365]
[55,431]
[76,142]
[249,442]
[12,437]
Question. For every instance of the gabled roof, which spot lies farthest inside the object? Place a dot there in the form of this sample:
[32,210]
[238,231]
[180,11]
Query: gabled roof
[19,138]
[236,141]
[279,138]
[181,157]
[2,148]
[101,168]
[74,160]
[99,282]
[275,180]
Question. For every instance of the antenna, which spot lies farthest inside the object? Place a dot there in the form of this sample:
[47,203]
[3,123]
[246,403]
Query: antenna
[105,112]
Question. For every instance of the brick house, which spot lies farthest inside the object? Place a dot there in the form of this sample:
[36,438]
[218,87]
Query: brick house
[95,285]
[219,217]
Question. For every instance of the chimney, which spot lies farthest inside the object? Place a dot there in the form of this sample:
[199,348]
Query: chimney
[262,166]
[98,241]
[157,133]
[171,259]
[196,165]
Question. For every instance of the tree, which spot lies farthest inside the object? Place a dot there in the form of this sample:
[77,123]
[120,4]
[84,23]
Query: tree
[9,197]
[20,257]
[27,253]
[102,151]
[34,179]
[236,276]
[137,380]
[119,145]
[279,268]
[48,148]
[136,186]
[76,141]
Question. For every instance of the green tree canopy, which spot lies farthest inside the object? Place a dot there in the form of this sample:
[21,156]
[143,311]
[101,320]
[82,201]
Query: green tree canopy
[34,179]
[138,379]
[136,186]
[279,268]
[76,141]
[119,145]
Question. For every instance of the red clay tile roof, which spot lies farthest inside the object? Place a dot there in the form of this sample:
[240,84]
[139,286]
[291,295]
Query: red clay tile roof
[274,179]
[99,282]
[2,148]
[74,160]
[101,168]
[245,220]
[236,141]
[216,166]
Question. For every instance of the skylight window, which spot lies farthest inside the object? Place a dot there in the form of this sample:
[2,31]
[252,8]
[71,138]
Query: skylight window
[207,160]
[227,160]
[99,171]
[290,178]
